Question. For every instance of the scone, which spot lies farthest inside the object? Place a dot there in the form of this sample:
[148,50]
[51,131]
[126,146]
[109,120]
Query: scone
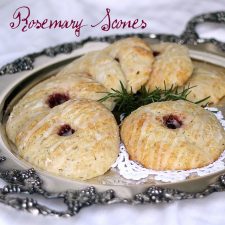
[128,61]
[50,93]
[135,58]
[206,81]
[78,139]
[173,135]
[172,66]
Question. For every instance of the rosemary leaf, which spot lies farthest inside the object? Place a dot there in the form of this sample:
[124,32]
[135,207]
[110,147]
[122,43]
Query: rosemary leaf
[126,102]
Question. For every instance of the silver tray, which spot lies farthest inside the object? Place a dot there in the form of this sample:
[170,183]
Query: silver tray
[109,188]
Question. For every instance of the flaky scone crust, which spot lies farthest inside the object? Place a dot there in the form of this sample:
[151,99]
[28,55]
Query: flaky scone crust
[172,66]
[206,81]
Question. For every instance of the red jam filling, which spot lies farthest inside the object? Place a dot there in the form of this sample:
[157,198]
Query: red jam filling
[172,121]
[155,53]
[65,130]
[117,59]
[57,99]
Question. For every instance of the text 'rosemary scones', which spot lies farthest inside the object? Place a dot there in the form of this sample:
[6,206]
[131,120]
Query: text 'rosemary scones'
[128,61]
[78,139]
[172,66]
[173,135]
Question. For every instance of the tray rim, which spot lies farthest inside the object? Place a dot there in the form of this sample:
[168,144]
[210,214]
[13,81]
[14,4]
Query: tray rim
[195,54]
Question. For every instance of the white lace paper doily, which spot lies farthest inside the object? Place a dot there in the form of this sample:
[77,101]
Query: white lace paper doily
[132,170]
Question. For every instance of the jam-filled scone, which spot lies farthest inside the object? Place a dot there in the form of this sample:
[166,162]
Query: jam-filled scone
[50,93]
[173,135]
[78,139]
[206,81]
[128,61]
[172,66]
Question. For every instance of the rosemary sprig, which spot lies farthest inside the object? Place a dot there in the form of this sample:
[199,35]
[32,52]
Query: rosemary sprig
[126,102]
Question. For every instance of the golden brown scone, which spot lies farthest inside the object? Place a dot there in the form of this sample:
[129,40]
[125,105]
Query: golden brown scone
[172,66]
[49,93]
[206,81]
[173,135]
[78,139]
[135,58]
[128,61]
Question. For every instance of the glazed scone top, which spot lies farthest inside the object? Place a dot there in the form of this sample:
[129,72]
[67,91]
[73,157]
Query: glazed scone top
[78,139]
[50,93]
[173,135]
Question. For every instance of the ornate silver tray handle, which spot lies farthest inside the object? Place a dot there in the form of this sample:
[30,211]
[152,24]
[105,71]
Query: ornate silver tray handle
[28,182]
